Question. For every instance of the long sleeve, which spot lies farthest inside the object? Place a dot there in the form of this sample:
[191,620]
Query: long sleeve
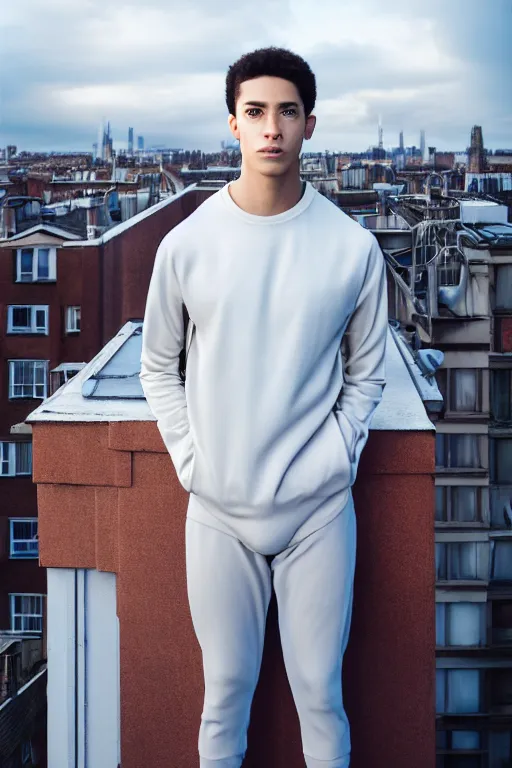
[162,342]
[363,349]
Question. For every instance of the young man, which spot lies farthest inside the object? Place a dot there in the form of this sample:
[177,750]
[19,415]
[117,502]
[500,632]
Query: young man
[287,295]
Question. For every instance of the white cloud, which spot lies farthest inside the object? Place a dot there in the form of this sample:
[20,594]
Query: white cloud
[161,68]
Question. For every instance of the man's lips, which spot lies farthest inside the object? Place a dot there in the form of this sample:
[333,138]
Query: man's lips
[271,151]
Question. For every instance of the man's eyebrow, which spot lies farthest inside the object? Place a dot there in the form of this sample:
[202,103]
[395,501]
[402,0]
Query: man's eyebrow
[282,105]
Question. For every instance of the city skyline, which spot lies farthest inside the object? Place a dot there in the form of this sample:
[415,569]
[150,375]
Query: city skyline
[437,68]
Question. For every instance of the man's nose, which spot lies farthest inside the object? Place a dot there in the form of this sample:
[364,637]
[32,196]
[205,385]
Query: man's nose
[272,127]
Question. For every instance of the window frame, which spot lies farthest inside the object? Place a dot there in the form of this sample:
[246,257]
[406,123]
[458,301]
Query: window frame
[448,605]
[502,334]
[494,438]
[448,491]
[448,449]
[12,462]
[481,692]
[482,561]
[14,615]
[30,555]
[35,277]
[450,751]
[447,380]
[494,539]
[34,308]
[507,373]
[72,311]
[501,268]
[45,367]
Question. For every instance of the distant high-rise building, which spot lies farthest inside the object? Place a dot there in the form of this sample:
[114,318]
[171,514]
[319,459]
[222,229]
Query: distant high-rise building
[476,151]
[130,141]
[105,142]
[11,151]
[140,143]
[381,142]
[423,145]
[95,151]
[401,144]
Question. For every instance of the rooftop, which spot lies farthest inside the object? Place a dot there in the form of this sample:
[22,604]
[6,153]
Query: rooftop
[108,388]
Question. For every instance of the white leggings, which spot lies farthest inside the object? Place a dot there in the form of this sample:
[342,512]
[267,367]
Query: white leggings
[229,588]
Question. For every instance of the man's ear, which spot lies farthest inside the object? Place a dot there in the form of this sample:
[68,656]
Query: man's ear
[233,126]
[310,126]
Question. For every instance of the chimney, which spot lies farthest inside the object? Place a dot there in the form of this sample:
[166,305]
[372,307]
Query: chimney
[7,222]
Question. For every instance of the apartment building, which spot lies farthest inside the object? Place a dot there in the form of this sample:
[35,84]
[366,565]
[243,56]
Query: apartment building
[61,298]
[452,267]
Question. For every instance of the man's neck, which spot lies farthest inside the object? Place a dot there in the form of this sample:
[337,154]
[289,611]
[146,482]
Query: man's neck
[266,195]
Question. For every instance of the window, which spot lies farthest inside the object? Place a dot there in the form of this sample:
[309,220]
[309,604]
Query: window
[456,748]
[72,319]
[501,395]
[465,388]
[458,451]
[458,691]
[36,264]
[27,318]
[15,459]
[501,691]
[461,389]
[28,378]
[504,286]
[459,504]
[500,748]
[24,539]
[62,374]
[501,506]
[500,453]
[503,334]
[501,622]
[501,559]
[26,613]
[461,561]
[460,624]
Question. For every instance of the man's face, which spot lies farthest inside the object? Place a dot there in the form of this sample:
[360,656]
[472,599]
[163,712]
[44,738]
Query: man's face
[270,112]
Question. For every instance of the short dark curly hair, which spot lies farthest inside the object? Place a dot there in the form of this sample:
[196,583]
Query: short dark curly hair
[271,62]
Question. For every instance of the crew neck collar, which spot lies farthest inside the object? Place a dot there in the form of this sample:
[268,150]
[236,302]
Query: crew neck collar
[278,218]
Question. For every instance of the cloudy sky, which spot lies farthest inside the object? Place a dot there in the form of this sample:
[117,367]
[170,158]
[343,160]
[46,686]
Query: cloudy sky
[160,66]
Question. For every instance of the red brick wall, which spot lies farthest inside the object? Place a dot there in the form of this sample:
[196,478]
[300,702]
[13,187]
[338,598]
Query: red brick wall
[131,520]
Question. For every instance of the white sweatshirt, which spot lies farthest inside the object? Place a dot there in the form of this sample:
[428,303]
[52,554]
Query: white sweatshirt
[285,366]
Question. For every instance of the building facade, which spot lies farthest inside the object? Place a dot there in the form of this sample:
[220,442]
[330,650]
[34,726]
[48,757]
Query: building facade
[61,299]
[453,288]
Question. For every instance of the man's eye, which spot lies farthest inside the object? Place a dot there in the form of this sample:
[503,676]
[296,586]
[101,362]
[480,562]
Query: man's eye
[253,109]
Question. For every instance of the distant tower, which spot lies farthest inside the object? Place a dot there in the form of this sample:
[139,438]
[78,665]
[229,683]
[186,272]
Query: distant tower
[422,144]
[140,143]
[476,151]
[130,141]
[381,143]
[105,142]
[401,142]
[107,147]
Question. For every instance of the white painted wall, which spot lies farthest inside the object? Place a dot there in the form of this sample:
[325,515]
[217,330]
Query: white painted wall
[83,670]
